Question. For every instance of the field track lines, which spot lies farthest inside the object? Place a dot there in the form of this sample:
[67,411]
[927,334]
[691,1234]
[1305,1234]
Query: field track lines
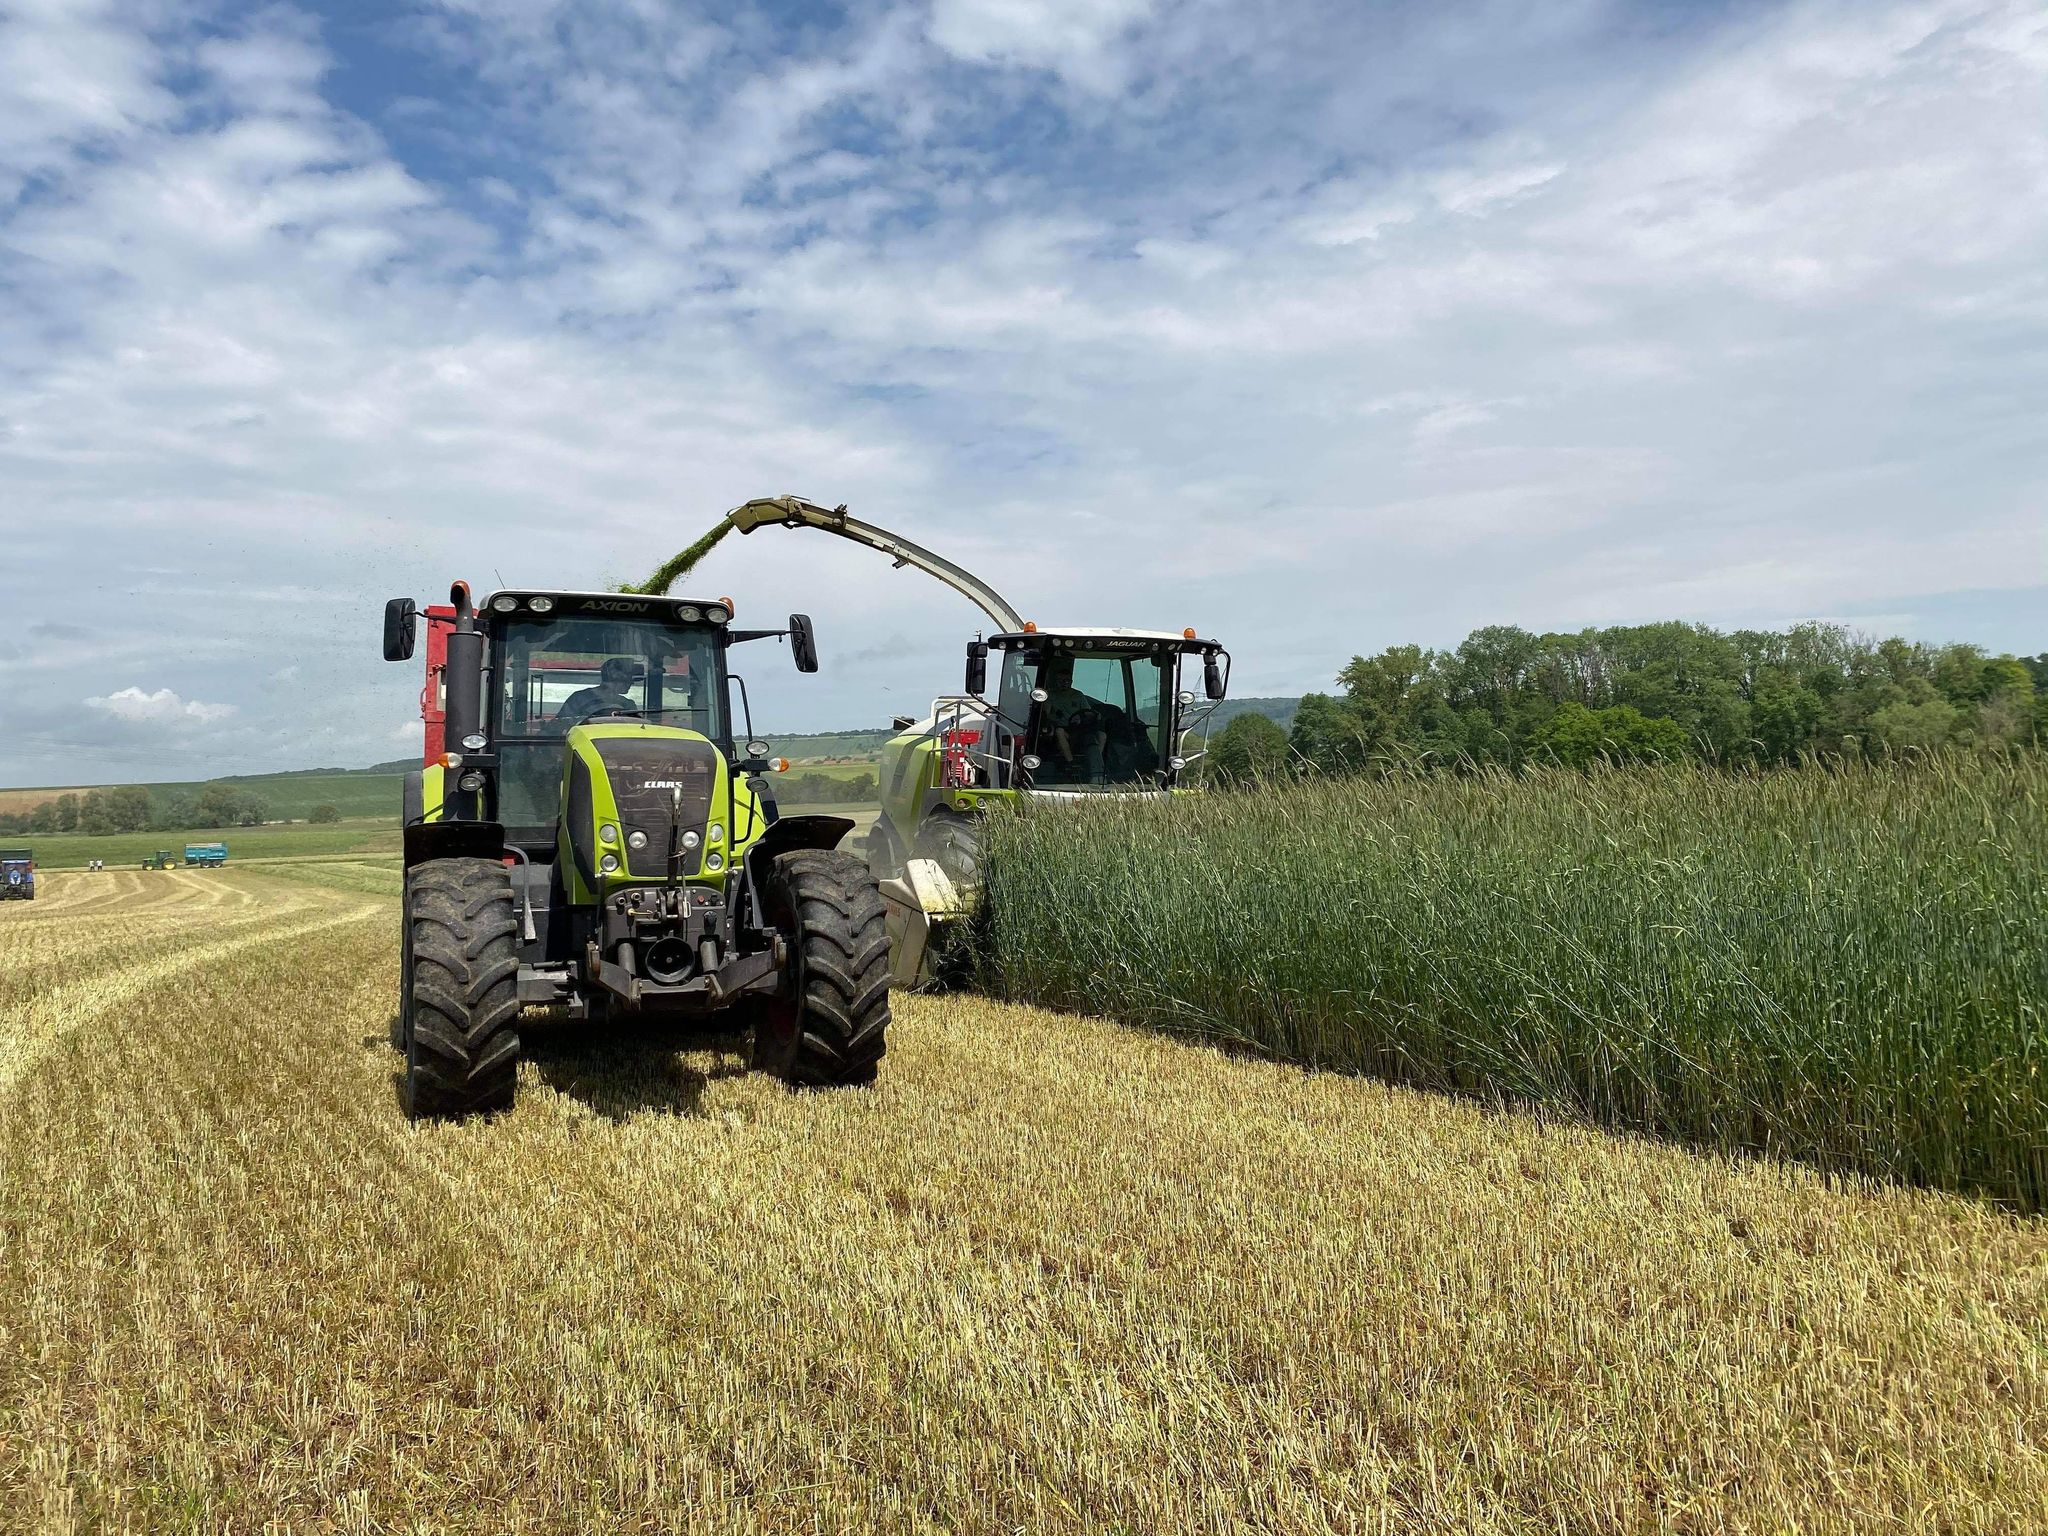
[27,1033]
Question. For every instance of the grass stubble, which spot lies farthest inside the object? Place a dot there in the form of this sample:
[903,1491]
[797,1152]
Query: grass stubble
[1049,1275]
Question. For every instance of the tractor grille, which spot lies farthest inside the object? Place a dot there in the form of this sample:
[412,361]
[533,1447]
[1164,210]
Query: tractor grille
[641,774]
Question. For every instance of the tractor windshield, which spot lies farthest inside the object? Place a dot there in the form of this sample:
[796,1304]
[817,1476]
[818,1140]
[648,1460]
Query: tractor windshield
[555,675]
[1106,721]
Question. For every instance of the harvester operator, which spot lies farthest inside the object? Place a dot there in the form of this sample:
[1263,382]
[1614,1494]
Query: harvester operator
[1080,731]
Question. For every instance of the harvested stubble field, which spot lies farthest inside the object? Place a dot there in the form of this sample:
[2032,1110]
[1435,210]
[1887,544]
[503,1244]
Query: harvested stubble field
[1049,1275]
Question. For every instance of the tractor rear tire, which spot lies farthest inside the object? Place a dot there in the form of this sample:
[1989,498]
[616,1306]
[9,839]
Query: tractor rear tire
[827,1028]
[459,1006]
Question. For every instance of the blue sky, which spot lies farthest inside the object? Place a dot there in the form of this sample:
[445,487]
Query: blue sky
[1320,326]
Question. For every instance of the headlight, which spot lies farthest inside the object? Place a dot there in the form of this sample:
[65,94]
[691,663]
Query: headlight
[1176,763]
[718,613]
[688,614]
[636,839]
[609,864]
[541,604]
[504,603]
[716,833]
[690,840]
[608,833]
[471,780]
[713,862]
[475,741]
[1030,760]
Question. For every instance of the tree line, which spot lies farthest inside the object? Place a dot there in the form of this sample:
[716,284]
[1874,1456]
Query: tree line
[1508,697]
[131,808]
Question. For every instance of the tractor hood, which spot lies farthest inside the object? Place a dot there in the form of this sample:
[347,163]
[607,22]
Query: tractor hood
[628,787]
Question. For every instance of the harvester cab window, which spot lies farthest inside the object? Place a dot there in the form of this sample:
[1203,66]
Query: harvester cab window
[1103,721]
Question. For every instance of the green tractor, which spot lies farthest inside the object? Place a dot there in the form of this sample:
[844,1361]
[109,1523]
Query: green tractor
[162,858]
[586,836]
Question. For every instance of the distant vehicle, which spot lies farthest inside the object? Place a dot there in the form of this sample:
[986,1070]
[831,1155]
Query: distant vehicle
[205,855]
[163,858]
[17,875]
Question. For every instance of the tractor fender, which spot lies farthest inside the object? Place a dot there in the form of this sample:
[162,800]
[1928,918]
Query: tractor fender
[453,840]
[793,832]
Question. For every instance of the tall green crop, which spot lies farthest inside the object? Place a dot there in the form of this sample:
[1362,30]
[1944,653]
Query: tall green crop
[1848,966]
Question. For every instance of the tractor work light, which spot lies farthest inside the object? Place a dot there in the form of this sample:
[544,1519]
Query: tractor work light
[609,864]
[1031,760]
[1176,763]
[470,781]
[636,840]
[475,741]
[504,603]
[541,604]
[689,613]
[718,613]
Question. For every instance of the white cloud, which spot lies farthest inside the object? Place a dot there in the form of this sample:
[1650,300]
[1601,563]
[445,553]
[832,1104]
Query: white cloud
[1071,37]
[163,707]
[1322,326]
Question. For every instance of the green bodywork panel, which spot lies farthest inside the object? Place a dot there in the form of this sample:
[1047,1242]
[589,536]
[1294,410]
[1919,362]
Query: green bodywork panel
[911,787]
[734,808]
[433,790]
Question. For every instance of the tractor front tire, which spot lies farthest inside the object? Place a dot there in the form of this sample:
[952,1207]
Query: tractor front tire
[459,1005]
[826,1028]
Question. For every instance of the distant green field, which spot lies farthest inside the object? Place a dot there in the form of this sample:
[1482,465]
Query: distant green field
[285,796]
[124,850]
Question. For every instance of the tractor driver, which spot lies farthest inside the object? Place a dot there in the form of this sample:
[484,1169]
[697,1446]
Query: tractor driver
[612,695]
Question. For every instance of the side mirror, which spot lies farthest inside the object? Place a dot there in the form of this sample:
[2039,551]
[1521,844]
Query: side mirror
[399,616]
[1212,678]
[977,667]
[803,644]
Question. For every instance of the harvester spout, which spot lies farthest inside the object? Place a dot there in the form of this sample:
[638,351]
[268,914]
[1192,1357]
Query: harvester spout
[796,512]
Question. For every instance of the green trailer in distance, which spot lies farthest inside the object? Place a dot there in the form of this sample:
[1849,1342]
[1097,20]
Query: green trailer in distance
[205,855]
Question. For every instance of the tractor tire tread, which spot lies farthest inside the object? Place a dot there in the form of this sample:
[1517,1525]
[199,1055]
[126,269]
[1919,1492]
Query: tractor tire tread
[842,938]
[465,993]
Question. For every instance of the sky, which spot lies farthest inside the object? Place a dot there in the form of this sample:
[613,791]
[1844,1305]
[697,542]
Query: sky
[1318,326]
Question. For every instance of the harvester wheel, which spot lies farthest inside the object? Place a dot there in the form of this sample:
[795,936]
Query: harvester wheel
[462,1011]
[826,1029]
[954,843]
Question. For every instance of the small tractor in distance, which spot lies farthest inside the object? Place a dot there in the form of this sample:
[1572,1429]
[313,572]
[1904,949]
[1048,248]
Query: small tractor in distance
[17,875]
[162,858]
[586,836]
